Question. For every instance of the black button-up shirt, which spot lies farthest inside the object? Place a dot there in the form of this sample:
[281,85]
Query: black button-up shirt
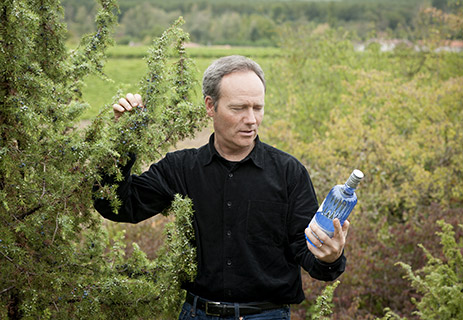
[249,220]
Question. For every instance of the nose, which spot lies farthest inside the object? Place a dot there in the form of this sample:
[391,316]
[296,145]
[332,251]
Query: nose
[250,116]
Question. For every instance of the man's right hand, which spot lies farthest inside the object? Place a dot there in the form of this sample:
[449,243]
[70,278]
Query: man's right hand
[127,104]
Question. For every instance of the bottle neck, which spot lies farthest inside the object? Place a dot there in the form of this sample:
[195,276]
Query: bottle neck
[348,190]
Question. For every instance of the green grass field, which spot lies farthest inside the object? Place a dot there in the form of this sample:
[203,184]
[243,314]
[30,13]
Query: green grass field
[126,66]
[198,52]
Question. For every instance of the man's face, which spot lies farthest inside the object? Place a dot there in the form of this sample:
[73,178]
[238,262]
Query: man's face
[239,113]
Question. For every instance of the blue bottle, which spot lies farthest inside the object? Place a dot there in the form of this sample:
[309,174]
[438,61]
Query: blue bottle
[338,204]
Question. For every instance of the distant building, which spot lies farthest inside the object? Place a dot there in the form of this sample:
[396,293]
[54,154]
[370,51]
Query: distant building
[452,46]
[387,45]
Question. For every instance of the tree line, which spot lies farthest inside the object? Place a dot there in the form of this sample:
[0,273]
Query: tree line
[246,22]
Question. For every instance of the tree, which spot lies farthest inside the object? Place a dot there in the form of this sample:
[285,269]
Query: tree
[56,259]
[145,21]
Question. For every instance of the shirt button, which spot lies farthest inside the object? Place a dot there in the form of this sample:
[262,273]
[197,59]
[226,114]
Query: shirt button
[229,204]
[229,262]
[230,175]
[229,233]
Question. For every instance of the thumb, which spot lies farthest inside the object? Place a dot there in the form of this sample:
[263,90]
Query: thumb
[345,226]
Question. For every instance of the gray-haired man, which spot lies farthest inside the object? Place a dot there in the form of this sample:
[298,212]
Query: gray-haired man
[252,205]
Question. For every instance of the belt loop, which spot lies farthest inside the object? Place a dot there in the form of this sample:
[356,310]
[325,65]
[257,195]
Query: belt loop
[237,311]
[195,302]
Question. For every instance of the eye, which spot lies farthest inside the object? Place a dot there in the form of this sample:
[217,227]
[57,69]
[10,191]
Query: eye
[237,108]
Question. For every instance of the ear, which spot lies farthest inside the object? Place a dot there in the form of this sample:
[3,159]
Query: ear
[209,106]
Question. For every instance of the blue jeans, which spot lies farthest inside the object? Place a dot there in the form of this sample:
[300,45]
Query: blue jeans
[188,313]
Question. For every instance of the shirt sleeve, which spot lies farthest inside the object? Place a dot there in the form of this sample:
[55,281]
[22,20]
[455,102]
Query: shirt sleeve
[142,196]
[303,205]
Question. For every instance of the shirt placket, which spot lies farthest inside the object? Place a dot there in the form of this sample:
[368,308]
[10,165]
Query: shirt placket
[230,207]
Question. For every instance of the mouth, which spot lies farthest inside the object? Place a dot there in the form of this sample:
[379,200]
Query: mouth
[247,133]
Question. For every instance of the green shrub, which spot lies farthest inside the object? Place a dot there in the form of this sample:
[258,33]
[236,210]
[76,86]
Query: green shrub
[57,262]
[441,280]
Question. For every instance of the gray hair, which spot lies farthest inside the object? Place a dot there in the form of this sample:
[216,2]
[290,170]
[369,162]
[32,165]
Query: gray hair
[223,66]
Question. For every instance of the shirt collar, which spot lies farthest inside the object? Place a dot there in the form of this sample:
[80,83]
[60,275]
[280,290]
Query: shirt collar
[208,152]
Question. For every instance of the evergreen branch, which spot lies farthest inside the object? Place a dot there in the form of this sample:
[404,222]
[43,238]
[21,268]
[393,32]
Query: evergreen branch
[28,213]
[322,309]
[88,56]
[15,264]
[442,283]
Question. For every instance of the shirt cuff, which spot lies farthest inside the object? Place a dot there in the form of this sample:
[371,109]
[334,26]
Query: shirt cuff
[333,265]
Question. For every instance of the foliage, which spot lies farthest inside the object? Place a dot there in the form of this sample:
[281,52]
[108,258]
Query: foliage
[247,22]
[406,141]
[124,74]
[390,315]
[344,110]
[168,95]
[322,309]
[125,65]
[441,282]
[56,261]
[176,260]
[316,62]
[437,25]
[397,116]
[128,52]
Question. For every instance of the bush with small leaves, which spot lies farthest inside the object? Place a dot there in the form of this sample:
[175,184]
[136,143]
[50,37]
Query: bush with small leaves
[57,261]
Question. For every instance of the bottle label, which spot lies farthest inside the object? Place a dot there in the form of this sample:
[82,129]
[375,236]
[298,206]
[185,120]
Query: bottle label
[334,209]
[331,208]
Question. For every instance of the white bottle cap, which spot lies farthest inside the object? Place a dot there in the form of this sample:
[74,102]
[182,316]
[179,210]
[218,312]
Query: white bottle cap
[355,178]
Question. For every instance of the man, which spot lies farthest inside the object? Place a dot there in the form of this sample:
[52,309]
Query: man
[252,205]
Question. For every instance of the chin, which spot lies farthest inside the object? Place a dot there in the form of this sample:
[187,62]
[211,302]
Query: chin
[246,142]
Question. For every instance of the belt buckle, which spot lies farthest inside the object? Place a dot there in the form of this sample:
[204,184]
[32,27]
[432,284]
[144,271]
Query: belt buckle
[216,304]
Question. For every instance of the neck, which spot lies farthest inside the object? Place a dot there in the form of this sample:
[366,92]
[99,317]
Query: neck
[233,154]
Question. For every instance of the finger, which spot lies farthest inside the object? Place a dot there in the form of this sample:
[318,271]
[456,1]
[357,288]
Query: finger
[118,111]
[132,100]
[124,103]
[313,229]
[318,232]
[313,237]
[118,108]
[139,99]
[310,240]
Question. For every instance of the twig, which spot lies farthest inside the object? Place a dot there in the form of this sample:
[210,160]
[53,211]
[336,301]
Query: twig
[56,226]
[7,289]
[7,258]
[43,184]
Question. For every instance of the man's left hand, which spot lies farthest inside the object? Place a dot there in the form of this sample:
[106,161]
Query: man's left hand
[327,249]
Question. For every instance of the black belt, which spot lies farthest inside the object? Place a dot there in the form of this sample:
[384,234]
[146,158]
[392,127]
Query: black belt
[226,309]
